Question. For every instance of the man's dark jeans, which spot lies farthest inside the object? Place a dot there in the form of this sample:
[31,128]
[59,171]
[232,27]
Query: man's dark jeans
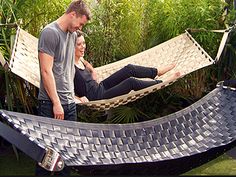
[46,109]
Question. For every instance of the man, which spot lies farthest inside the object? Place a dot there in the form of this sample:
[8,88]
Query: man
[56,50]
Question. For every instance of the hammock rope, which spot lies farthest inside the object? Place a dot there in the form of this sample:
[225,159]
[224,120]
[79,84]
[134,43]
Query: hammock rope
[183,50]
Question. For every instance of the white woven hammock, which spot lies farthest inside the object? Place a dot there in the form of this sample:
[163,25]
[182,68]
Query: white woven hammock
[182,50]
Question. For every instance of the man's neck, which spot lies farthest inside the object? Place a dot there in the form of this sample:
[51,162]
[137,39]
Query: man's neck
[63,23]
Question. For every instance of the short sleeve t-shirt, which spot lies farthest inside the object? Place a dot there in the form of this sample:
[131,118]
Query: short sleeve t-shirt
[61,46]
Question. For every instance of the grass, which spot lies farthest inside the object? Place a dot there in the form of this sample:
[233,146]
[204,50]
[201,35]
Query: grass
[223,165]
[24,166]
[10,166]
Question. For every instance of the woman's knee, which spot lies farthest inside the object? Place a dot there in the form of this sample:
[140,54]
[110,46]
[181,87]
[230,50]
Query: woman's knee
[130,66]
[132,83]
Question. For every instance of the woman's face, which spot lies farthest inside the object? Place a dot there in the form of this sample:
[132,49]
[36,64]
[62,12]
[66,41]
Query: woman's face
[80,46]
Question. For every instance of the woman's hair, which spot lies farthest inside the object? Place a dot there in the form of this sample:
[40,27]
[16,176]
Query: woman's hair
[79,33]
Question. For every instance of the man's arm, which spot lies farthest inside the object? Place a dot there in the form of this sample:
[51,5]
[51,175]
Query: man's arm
[46,64]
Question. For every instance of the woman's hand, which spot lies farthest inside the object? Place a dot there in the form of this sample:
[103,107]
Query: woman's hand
[83,99]
[94,75]
[91,70]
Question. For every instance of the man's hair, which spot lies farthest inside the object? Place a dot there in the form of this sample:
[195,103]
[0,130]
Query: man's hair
[80,8]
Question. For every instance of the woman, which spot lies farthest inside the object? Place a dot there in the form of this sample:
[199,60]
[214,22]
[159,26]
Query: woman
[121,82]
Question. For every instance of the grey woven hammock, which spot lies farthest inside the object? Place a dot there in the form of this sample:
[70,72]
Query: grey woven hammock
[182,50]
[206,125]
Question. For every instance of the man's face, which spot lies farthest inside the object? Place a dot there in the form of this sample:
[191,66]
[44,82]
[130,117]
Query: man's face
[77,23]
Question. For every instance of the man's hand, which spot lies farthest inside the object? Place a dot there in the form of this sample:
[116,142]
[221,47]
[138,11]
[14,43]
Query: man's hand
[58,111]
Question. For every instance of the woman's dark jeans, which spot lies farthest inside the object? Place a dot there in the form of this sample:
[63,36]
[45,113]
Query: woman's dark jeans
[123,81]
[46,110]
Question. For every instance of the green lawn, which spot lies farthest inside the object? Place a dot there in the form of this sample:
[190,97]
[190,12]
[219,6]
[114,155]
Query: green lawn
[223,165]
[10,166]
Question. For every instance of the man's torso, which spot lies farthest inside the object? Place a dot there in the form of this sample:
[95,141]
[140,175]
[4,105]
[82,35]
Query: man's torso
[61,47]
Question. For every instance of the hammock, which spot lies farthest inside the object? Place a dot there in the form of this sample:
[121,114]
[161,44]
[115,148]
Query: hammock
[182,50]
[206,125]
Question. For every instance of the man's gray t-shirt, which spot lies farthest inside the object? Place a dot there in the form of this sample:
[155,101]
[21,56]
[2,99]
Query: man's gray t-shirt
[61,46]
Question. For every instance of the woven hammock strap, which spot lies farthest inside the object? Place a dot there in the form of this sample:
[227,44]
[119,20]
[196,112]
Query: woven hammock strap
[227,84]
[47,158]
[3,62]
[223,40]
[24,58]
[9,25]
[222,45]
[194,30]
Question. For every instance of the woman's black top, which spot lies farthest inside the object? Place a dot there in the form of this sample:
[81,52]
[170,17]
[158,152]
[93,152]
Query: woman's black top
[85,85]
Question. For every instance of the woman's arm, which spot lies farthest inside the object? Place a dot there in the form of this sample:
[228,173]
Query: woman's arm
[91,69]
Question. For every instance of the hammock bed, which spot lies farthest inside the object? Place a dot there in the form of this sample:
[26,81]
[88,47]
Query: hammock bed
[183,50]
[207,125]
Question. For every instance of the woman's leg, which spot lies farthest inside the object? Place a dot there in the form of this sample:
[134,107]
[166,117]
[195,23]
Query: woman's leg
[127,72]
[126,86]
[132,84]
